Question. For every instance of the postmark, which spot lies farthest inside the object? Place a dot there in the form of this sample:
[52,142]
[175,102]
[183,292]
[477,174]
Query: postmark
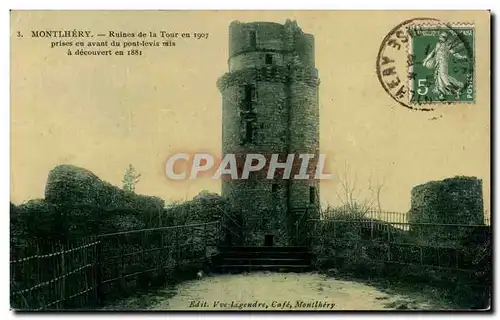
[446,77]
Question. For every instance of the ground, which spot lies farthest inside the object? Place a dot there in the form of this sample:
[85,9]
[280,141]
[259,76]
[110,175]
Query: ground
[281,291]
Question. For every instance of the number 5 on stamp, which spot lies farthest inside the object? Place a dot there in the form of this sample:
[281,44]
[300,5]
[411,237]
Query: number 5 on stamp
[422,87]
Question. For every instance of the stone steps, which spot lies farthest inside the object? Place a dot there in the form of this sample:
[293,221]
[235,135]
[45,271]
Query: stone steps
[251,258]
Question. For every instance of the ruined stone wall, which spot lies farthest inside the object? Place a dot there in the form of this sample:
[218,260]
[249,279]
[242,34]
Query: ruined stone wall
[278,62]
[455,200]
[438,208]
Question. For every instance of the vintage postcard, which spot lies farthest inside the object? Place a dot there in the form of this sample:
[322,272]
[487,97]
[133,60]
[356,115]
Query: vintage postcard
[250,160]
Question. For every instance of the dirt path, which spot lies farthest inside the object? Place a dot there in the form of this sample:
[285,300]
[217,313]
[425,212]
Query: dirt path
[282,291]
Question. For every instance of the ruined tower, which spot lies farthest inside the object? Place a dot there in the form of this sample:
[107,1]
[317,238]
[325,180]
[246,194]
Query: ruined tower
[269,106]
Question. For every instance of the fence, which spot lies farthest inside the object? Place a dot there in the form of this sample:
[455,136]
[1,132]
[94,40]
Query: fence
[436,245]
[399,220]
[126,256]
[53,275]
[441,253]
[48,276]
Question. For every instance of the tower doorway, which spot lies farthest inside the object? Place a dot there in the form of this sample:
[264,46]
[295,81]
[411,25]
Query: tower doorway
[268,240]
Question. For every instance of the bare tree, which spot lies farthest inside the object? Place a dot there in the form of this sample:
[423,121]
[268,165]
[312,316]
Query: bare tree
[130,179]
[376,189]
[350,195]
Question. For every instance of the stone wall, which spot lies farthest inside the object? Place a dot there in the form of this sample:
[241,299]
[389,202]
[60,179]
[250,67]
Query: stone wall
[438,208]
[73,186]
[78,204]
[455,200]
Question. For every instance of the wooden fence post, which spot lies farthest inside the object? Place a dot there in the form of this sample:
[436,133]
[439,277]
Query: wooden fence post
[55,265]
[205,236]
[98,272]
[162,245]
[388,244]
[421,242]
[63,277]
[218,232]
[177,248]
[143,245]
[193,242]
[39,274]
[85,273]
[122,254]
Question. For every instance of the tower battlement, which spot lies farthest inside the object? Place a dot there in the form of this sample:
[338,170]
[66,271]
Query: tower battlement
[250,44]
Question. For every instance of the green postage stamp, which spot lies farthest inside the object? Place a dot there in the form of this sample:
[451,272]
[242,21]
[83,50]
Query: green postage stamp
[442,70]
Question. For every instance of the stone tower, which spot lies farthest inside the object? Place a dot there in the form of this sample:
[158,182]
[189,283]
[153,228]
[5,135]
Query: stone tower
[270,105]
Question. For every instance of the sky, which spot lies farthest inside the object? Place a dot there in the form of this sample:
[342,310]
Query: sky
[104,113]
